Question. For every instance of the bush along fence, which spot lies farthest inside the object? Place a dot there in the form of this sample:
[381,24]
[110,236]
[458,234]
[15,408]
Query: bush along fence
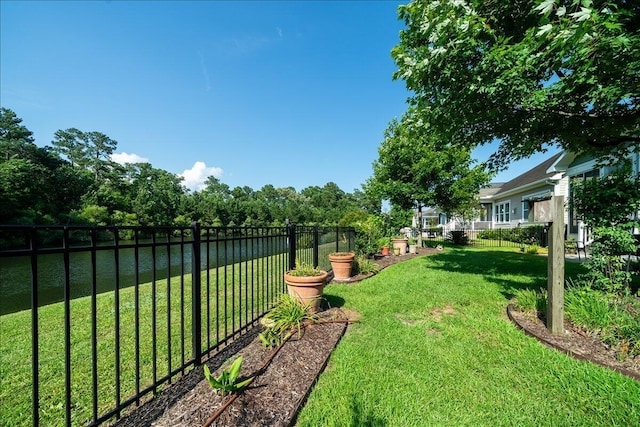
[91,323]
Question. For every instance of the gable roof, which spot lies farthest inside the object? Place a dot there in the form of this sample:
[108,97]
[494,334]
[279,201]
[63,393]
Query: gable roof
[537,175]
[487,192]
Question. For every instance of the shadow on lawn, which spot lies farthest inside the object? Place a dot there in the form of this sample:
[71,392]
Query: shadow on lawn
[332,301]
[363,419]
[527,271]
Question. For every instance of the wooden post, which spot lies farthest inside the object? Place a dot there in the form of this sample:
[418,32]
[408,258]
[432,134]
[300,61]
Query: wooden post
[555,281]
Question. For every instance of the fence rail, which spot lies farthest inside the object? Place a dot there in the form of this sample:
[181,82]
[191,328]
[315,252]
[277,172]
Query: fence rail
[115,313]
[497,237]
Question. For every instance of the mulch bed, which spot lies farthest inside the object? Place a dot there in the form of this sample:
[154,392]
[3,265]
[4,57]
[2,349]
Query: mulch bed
[272,399]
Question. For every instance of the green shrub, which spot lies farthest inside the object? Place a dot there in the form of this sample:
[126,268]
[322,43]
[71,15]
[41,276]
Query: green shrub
[588,308]
[531,234]
[607,269]
[458,237]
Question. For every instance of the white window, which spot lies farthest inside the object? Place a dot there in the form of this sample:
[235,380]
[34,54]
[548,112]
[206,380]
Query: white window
[502,212]
[525,211]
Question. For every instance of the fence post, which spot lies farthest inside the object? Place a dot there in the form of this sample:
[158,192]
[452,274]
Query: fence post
[316,246]
[291,237]
[555,269]
[196,286]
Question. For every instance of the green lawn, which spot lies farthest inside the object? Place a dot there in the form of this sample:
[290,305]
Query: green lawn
[434,347]
[173,296]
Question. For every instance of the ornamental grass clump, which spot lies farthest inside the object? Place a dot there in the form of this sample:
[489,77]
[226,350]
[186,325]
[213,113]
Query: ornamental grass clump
[364,265]
[531,301]
[615,319]
[284,320]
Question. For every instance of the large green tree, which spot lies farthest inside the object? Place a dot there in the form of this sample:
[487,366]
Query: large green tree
[36,186]
[524,73]
[413,169]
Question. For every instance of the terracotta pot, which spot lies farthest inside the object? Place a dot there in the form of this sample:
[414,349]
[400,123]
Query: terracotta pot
[400,244]
[307,289]
[384,250]
[341,263]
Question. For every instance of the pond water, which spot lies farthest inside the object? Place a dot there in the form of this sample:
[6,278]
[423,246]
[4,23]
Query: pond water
[174,260]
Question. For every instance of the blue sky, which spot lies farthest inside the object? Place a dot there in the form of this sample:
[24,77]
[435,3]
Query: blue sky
[283,93]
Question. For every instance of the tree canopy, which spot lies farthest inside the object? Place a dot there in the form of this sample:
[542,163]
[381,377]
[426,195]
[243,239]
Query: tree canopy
[414,170]
[524,73]
[74,181]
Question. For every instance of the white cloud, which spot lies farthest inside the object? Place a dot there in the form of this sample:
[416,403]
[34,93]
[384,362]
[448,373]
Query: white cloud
[123,158]
[195,177]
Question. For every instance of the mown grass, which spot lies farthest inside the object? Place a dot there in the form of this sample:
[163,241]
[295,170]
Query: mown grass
[434,347]
[226,296]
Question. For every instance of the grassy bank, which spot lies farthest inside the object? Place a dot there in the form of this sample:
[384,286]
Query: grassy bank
[434,347]
[227,295]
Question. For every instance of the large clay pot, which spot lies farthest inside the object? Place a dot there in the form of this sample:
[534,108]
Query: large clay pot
[307,289]
[341,263]
[400,244]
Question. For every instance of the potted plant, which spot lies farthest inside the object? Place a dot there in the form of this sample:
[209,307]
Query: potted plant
[413,246]
[400,243]
[306,283]
[341,263]
[384,245]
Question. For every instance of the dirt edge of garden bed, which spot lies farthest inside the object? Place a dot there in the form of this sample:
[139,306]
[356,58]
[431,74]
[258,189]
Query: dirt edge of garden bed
[575,343]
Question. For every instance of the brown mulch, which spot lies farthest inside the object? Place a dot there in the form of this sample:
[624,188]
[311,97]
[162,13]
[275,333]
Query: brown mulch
[272,399]
[276,395]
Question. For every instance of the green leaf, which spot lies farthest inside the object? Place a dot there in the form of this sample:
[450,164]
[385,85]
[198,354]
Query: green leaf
[244,383]
[234,370]
[214,382]
[545,7]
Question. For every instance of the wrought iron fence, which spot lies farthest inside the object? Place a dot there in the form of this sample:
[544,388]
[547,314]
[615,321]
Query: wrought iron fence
[115,313]
[497,237]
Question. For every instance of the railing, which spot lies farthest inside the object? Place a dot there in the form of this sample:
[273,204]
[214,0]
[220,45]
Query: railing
[112,321]
[497,237]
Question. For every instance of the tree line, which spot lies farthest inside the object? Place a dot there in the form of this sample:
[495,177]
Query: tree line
[74,181]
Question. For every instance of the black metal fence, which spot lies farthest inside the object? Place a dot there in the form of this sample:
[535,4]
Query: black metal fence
[497,237]
[106,316]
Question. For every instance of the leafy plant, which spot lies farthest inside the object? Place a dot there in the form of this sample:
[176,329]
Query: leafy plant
[607,269]
[364,265]
[304,270]
[532,249]
[227,380]
[284,319]
[532,301]
[383,241]
[614,318]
